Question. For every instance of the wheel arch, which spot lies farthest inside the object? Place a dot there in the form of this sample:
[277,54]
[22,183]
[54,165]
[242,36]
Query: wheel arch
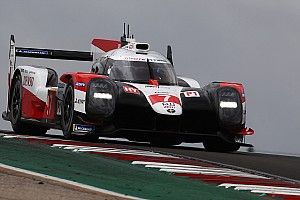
[66,77]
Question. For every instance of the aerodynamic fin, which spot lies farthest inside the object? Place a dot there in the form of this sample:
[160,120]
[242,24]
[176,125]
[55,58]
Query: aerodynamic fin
[102,45]
[12,58]
[169,54]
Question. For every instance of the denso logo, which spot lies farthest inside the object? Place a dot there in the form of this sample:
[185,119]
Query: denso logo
[28,81]
[79,101]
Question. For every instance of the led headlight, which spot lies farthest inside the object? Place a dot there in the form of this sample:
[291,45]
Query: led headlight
[228,104]
[102,96]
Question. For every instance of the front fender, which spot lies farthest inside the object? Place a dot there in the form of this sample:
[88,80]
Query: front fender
[229,101]
[80,82]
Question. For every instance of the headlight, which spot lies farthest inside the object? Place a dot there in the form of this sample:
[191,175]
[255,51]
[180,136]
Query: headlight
[102,96]
[228,104]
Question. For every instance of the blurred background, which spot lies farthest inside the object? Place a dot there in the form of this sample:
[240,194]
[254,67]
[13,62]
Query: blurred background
[253,42]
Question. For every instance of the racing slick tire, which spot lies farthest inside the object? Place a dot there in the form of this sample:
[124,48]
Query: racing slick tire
[19,126]
[67,111]
[220,145]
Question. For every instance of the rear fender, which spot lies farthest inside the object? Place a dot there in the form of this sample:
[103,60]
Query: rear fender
[34,91]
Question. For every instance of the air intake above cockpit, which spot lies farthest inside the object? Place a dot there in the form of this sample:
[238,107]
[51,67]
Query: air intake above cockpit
[138,47]
[142,46]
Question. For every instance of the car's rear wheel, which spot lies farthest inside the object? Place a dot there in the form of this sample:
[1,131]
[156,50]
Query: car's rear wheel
[19,126]
[220,145]
[67,111]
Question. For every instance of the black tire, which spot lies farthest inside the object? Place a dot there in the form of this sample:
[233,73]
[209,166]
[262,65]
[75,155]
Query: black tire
[220,145]
[67,111]
[17,124]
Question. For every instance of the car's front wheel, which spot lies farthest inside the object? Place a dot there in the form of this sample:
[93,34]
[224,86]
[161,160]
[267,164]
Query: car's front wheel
[67,111]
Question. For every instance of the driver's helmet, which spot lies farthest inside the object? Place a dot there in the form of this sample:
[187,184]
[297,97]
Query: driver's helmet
[159,74]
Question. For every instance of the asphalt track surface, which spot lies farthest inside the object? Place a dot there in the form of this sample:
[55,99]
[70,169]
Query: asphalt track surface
[278,165]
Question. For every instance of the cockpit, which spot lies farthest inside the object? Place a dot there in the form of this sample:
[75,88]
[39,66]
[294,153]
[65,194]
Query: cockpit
[140,71]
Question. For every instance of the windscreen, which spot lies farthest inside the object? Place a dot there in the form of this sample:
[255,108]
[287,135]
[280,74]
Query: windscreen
[141,72]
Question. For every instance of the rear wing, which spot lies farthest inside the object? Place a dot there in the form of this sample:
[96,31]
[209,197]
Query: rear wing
[53,54]
[15,52]
[46,53]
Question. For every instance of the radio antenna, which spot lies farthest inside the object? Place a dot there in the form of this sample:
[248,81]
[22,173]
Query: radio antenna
[127,30]
[124,26]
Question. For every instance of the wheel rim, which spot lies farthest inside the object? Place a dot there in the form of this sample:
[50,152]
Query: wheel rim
[16,101]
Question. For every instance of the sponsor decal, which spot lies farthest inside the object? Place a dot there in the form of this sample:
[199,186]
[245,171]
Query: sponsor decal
[30,51]
[130,46]
[83,128]
[191,94]
[150,86]
[79,101]
[27,72]
[130,90]
[80,84]
[168,105]
[134,59]
[158,98]
[143,59]
[171,110]
[28,81]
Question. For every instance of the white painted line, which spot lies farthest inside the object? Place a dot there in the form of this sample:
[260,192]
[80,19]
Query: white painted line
[264,189]
[9,136]
[137,162]
[195,169]
[33,137]
[68,182]
[77,148]
[275,192]
[241,174]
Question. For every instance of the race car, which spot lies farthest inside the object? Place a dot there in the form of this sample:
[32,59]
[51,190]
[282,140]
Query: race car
[130,92]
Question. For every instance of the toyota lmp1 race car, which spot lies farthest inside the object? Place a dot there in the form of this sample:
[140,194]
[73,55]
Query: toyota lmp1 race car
[130,92]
